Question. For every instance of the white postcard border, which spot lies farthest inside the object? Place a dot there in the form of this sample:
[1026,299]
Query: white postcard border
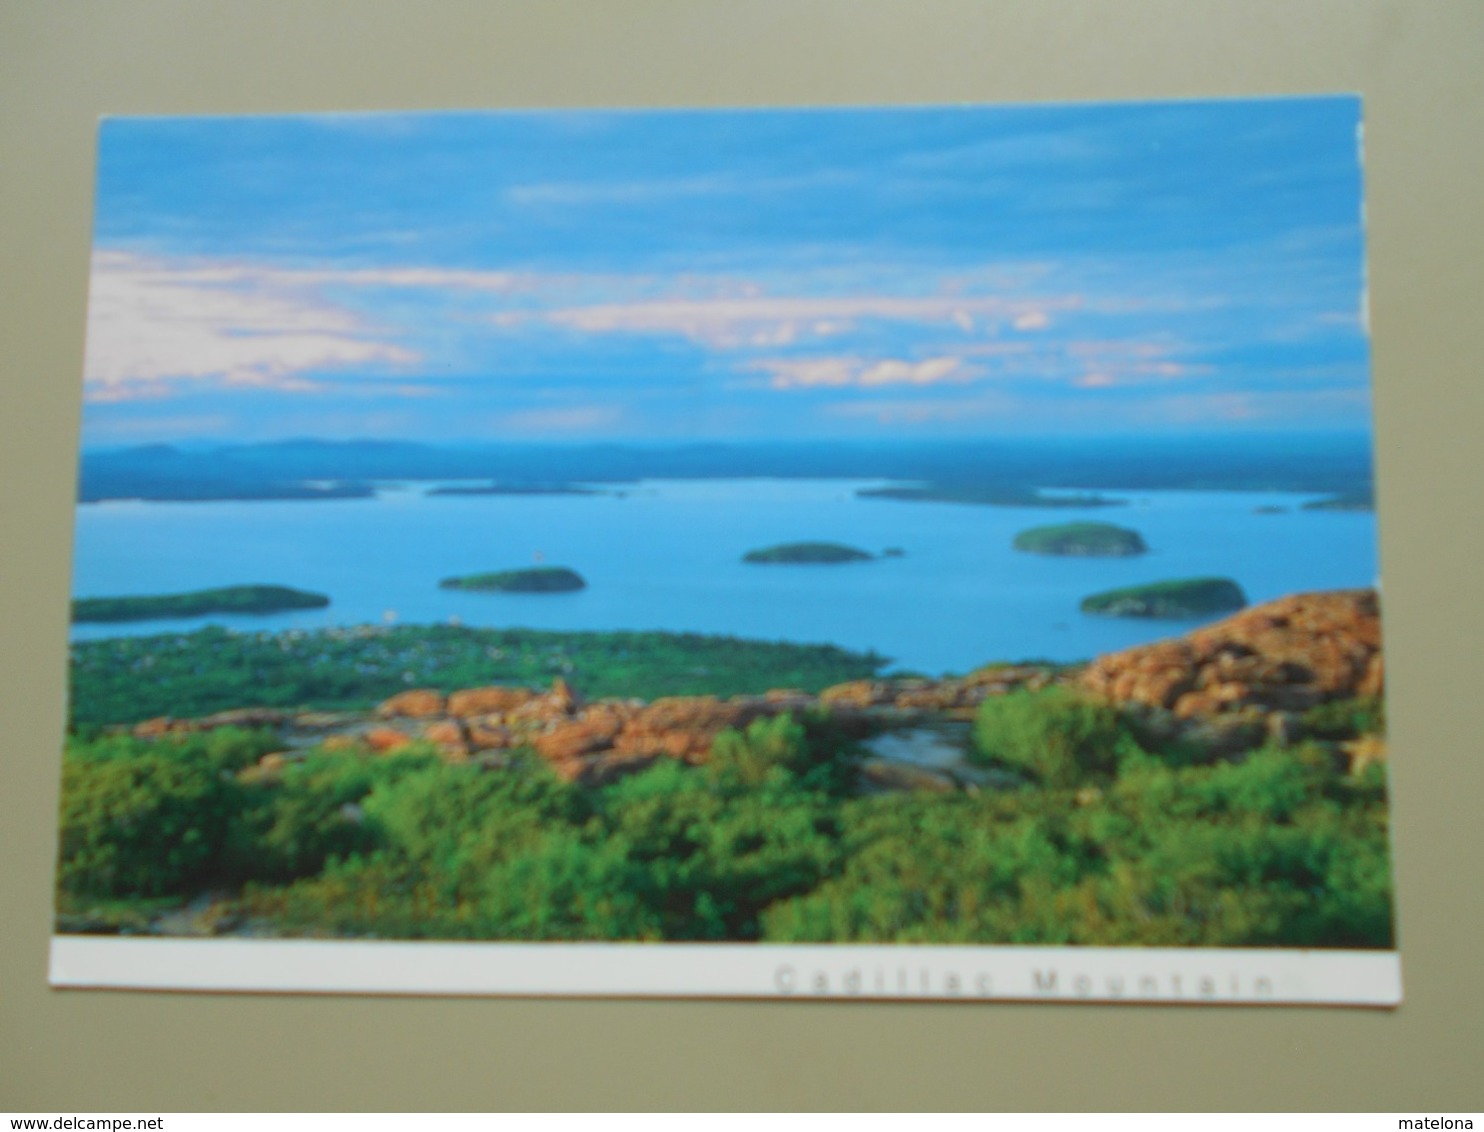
[727,970]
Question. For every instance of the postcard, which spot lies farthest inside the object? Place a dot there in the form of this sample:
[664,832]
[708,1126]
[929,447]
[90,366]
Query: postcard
[880,553]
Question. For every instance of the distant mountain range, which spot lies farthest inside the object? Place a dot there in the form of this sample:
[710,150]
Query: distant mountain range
[330,469]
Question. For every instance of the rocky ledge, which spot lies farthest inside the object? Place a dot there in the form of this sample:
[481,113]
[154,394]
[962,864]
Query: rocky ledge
[595,742]
[1223,689]
[1250,674]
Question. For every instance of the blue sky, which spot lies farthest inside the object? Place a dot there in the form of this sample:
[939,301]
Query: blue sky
[573,276]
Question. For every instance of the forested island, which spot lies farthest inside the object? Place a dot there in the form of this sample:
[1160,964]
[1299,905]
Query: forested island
[1177,599]
[197,603]
[806,554]
[1348,501]
[1083,540]
[533,580]
[498,488]
[987,496]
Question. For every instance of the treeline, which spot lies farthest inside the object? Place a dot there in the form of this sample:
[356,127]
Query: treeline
[127,679]
[1106,841]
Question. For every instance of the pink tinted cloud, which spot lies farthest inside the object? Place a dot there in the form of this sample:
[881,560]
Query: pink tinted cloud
[152,323]
[1109,363]
[841,372]
[756,321]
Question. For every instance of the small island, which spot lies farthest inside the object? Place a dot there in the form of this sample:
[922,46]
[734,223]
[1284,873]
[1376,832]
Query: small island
[985,496]
[227,599]
[1179,599]
[1081,540]
[499,488]
[536,580]
[806,554]
[1350,501]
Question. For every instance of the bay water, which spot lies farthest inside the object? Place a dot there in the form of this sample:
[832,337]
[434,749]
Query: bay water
[667,555]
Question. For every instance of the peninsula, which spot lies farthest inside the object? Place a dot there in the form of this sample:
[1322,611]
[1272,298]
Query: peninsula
[1347,501]
[536,580]
[1081,540]
[227,599]
[1177,599]
[806,554]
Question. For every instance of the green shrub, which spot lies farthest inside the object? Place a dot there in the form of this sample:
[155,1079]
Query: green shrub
[146,825]
[929,869]
[768,842]
[293,827]
[1345,719]
[228,749]
[710,856]
[749,757]
[1054,734]
[813,750]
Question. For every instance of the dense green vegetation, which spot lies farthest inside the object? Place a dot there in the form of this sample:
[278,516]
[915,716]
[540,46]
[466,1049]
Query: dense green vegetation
[228,599]
[1056,736]
[126,679]
[1176,599]
[536,580]
[1102,540]
[806,554]
[986,495]
[1105,843]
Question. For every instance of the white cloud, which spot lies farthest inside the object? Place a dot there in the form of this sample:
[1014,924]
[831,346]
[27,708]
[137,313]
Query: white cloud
[730,322]
[152,323]
[156,324]
[1105,364]
[496,281]
[802,373]
[927,372]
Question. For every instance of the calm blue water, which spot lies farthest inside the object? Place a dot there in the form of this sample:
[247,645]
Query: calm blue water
[666,555]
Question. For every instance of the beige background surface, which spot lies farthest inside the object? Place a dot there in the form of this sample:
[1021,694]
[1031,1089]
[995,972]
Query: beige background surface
[1418,66]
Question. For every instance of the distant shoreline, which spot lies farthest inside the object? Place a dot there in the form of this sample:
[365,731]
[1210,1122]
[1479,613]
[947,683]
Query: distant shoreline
[985,471]
[196,603]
